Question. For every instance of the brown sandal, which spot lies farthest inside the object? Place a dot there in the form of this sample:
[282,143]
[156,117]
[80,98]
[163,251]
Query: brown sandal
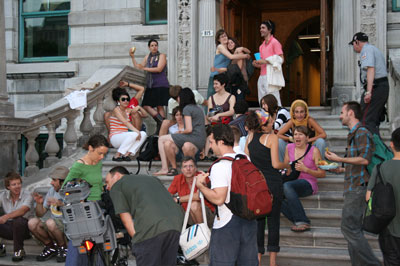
[300,228]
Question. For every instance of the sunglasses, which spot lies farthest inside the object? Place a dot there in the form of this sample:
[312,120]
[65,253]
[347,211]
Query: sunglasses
[124,99]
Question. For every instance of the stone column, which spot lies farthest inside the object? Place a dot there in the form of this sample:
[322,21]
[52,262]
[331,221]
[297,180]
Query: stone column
[6,108]
[206,44]
[172,43]
[190,56]
[344,72]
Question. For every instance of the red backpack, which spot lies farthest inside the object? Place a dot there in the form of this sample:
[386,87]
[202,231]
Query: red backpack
[250,197]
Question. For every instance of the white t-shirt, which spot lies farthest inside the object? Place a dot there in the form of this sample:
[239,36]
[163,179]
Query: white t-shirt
[172,103]
[220,176]
[238,150]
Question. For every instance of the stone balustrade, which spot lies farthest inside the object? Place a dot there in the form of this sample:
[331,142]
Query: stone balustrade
[51,116]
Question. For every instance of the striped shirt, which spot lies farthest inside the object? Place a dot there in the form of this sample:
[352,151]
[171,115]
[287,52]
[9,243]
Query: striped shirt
[359,144]
[116,126]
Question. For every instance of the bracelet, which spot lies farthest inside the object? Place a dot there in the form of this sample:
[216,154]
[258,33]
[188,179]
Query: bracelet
[368,92]
[129,85]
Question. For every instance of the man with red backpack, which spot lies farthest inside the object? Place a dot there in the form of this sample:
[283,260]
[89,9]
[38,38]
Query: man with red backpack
[233,239]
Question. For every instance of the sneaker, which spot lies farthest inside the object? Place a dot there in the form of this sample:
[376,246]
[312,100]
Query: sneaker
[18,255]
[47,253]
[61,254]
[2,250]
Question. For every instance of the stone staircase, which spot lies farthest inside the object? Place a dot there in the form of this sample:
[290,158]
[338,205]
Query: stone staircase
[322,245]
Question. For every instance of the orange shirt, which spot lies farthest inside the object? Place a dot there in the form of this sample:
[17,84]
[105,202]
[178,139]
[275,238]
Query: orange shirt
[180,186]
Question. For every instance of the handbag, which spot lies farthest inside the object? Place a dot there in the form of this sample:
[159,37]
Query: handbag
[294,174]
[195,240]
[381,207]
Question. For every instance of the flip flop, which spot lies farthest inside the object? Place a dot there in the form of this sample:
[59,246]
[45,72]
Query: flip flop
[172,172]
[300,228]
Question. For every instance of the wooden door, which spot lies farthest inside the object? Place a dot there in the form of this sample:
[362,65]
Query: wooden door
[242,22]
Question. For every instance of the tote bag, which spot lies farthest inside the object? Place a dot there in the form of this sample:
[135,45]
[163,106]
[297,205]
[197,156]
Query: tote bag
[195,240]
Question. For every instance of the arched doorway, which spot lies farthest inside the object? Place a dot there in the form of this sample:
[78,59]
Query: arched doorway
[306,75]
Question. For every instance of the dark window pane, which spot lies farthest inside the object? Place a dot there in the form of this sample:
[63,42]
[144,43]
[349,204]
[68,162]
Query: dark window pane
[45,5]
[57,5]
[157,10]
[47,36]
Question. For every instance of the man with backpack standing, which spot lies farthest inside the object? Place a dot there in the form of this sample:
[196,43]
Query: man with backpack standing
[233,239]
[360,148]
[389,238]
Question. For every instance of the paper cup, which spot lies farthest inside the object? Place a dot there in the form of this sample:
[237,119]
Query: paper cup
[257,56]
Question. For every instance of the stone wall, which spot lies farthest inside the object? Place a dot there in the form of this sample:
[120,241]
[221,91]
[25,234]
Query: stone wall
[101,33]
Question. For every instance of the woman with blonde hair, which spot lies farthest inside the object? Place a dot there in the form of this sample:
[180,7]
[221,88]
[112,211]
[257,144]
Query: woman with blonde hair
[300,116]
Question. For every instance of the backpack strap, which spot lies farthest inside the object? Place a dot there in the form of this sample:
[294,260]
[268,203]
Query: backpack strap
[378,174]
[209,171]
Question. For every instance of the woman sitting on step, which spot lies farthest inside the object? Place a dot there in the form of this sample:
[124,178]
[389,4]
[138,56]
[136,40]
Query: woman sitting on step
[300,116]
[306,184]
[123,135]
[189,141]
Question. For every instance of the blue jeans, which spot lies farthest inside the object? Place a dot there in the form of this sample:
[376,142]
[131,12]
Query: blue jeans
[352,215]
[234,244]
[319,143]
[291,205]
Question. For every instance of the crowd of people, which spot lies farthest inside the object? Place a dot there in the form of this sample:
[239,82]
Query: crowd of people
[276,140]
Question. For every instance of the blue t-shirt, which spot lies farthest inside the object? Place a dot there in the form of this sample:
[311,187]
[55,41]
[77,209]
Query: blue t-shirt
[371,56]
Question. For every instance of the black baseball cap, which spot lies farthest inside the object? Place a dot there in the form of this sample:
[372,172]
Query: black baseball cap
[359,36]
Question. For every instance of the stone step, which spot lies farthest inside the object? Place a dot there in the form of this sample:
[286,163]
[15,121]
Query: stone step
[341,140]
[319,237]
[313,256]
[319,218]
[324,200]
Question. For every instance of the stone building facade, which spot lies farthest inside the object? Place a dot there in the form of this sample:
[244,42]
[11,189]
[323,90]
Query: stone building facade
[101,32]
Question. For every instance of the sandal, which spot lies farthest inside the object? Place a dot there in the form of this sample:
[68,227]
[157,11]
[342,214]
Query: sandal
[118,159]
[300,228]
[172,172]
[126,158]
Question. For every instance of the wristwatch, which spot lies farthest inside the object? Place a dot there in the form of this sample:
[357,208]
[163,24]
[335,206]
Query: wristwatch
[178,199]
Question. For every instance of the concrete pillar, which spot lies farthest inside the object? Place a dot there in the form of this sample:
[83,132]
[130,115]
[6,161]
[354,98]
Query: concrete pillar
[206,47]
[191,55]
[9,128]
[344,72]
[6,108]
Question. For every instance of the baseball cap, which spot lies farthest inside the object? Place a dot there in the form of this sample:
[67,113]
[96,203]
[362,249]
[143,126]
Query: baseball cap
[359,36]
[263,116]
[60,172]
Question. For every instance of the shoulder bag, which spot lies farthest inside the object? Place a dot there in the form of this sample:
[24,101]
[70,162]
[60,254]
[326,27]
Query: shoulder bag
[195,240]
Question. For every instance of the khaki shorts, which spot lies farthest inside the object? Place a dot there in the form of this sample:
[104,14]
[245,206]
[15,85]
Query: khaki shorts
[210,218]
[58,221]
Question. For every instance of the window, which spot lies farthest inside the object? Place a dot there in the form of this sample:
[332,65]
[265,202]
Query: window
[396,5]
[44,31]
[156,11]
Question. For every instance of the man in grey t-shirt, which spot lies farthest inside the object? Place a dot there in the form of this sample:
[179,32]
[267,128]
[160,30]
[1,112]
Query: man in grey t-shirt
[373,76]
[50,231]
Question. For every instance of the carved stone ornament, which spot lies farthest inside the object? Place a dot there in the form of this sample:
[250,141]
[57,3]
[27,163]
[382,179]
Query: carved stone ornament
[368,19]
[184,43]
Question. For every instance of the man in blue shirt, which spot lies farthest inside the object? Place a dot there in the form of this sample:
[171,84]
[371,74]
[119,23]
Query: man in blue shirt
[373,76]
